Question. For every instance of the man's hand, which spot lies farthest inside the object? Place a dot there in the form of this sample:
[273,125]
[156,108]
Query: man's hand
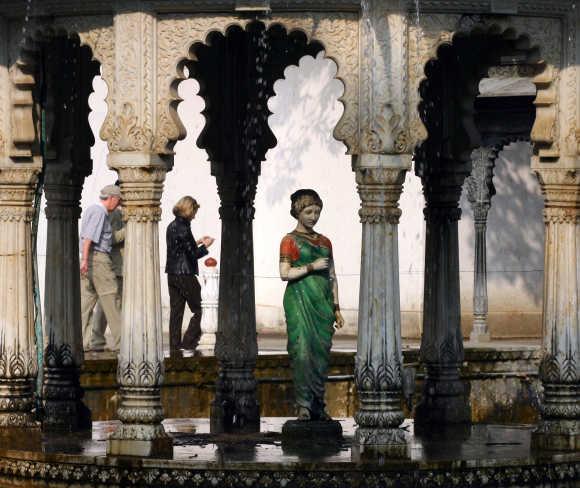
[84,267]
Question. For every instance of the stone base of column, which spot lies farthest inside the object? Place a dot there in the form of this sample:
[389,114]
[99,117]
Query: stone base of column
[62,405]
[559,428]
[480,337]
[557,435]
[206,344]
[480,332]
[235,408]
[141,433]
[445,400]
[380,443]
[140,440]
[16,402]
[379,410]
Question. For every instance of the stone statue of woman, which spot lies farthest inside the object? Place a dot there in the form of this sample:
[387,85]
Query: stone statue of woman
[310,304]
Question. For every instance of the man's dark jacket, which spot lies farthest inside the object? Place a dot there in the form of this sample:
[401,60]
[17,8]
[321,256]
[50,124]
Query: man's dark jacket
[182,251]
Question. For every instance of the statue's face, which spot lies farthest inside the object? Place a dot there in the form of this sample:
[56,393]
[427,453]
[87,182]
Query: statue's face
[309,216]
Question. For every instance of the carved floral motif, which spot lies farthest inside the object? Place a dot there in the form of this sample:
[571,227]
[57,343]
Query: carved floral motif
[127,134]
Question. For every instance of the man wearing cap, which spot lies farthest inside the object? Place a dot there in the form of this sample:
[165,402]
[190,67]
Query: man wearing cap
[98,280]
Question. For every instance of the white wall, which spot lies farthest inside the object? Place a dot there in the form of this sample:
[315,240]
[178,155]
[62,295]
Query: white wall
[305,111]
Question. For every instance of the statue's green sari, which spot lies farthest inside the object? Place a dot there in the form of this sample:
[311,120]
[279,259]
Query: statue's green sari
[309,310]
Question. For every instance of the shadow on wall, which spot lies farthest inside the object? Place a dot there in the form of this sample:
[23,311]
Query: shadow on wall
[515,230]
[307,93]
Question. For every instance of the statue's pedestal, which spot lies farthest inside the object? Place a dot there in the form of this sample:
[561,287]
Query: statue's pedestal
[311,430]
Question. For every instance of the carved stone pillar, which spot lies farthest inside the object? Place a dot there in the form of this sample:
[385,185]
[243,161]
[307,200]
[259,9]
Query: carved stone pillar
[379,358]
[140,370]
[235,407]
[17,341]
[559,427]
[63,408]
[444,399]
[480,189]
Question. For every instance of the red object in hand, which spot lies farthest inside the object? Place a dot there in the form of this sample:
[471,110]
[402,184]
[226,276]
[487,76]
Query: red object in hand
[210,262]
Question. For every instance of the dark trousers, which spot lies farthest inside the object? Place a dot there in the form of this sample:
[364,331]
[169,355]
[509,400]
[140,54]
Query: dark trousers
[184,288]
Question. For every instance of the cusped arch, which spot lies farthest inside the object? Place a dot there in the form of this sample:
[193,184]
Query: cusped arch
[433,100]
[25,140]
[336,34]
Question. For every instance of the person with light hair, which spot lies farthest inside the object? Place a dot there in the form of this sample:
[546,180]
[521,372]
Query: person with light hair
[98,280]
[181,267]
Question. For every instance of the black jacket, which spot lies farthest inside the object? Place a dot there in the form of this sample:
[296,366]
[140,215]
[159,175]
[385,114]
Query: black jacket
[182,251]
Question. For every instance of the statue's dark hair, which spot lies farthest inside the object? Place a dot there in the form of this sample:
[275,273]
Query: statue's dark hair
[303,198]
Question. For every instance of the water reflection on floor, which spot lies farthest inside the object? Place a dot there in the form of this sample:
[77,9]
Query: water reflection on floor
[193,442]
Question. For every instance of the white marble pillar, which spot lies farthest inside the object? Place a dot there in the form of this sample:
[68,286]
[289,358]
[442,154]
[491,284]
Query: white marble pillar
[379,358]
[445,396]
[18,366]
[140,369]
[480,190]
[559,427]
[63,356]
[209,306]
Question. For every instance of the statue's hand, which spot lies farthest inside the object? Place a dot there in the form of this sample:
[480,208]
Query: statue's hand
[339,319]
[320,264]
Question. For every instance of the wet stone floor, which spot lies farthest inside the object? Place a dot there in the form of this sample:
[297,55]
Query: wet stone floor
[477,456]
[193,443]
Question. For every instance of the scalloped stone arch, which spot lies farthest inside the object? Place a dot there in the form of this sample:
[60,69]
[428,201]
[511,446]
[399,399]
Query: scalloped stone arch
[337,34]
[544,130]
[25,139]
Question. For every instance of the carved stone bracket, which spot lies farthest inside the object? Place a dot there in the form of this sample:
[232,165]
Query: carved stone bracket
[378,367]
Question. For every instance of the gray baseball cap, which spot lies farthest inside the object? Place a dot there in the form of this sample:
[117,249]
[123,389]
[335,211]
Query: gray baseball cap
[110,191]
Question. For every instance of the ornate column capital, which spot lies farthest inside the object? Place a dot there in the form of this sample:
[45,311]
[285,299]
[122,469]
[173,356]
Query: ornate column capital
[63,188]
[141,176]
[17,184]
[380,181]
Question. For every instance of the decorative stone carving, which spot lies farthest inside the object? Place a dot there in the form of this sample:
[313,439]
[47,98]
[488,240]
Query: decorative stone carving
[379,359]
[337,32]
[18,366]
[480,190]
[4,89]
[560,364]
[130,122]
[140,369]
[384,82]
[160,474]
[127,135]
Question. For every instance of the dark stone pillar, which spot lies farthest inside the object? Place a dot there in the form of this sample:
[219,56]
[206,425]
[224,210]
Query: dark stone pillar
[444,399]
[235,407]
[62,394]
